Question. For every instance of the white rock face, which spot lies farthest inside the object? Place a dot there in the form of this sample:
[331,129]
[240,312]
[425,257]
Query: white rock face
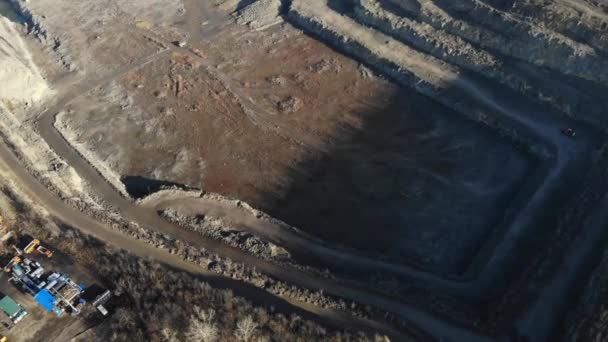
[20,79]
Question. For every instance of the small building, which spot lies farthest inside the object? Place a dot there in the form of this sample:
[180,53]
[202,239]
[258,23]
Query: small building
[12,309]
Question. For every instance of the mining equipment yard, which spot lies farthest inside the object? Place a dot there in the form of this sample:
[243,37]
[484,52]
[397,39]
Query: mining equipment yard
[365,170]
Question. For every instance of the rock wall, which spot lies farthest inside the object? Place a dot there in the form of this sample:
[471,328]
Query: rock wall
[537,83]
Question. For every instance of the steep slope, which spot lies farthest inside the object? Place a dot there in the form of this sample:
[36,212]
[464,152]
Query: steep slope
[22,82]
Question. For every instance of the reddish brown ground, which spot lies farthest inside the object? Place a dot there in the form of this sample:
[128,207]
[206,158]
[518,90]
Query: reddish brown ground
[279,120]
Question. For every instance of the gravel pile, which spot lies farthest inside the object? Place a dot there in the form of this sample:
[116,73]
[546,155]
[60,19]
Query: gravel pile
[261,14]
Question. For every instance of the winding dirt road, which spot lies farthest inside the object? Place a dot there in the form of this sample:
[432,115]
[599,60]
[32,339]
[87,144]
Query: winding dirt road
[29,186]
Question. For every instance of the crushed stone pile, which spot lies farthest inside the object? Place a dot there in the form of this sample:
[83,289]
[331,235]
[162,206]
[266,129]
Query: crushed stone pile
[261,14]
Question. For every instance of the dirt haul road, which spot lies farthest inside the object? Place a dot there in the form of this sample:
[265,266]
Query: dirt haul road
[32,189]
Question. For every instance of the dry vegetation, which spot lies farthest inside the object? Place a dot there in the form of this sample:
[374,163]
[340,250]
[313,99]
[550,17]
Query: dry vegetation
[156,303]
[159,304]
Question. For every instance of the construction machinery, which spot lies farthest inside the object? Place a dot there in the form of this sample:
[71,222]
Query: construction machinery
[35,245]
[100,300]
[45,251]
[31,247]
[569,132]
[55,292]
[14,261]
[59,294]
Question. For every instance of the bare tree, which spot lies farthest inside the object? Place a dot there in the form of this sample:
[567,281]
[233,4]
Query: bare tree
[202,331]
[169,335]
[381,338]
[207,316]
[245,328]
[125,318]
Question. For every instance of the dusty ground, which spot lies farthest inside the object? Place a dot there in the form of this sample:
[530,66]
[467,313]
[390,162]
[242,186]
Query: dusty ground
[323,125]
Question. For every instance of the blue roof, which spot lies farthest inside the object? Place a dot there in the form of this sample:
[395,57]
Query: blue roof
[46,300]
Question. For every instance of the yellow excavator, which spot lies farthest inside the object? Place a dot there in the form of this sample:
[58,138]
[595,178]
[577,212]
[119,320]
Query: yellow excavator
[14,261]
[31,247]
[35,246]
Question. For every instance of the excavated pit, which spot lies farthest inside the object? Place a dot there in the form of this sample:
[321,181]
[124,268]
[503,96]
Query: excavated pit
[414,184]
[496,266]
[391,179]
[382,170]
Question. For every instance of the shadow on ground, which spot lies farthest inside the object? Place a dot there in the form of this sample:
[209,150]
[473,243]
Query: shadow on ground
[140,187]
[413,182]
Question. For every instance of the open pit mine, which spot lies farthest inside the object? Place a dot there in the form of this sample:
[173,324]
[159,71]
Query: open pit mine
[304,170]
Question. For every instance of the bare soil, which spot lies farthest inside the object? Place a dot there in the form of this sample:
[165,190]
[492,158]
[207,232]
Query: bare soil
[326,138]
